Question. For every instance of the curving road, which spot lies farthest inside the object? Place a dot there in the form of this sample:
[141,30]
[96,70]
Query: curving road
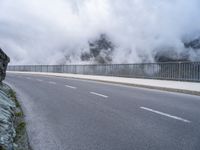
[70,114]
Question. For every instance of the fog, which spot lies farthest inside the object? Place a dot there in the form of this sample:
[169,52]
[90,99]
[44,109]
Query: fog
[45,31]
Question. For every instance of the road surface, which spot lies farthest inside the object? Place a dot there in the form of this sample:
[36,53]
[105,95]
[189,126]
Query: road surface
[72,114]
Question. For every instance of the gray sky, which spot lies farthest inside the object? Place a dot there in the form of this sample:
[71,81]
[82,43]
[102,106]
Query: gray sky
[43,31]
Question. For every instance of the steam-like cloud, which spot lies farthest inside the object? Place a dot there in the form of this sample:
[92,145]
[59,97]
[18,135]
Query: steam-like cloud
[45,31]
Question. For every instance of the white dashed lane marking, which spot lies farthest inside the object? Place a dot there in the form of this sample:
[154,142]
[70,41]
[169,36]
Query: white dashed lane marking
[71,87]
[166,115]
[51,82]
[39,80]
[98,94]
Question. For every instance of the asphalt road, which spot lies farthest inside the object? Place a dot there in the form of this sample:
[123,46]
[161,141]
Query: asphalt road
[70,114]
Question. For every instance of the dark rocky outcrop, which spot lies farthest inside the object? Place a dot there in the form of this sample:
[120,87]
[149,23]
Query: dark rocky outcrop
[170,56]
[173,56]
[100,51]
[4,60]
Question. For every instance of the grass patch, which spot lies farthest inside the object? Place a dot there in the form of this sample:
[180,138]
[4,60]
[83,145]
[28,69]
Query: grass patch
[20,127]
[1,148]
[19,114]
[13,96]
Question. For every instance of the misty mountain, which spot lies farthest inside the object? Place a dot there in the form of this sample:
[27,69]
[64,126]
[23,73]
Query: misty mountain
[101,50]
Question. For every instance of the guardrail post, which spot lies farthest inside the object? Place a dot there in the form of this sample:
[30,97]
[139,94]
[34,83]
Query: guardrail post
[179,71]
[62,68]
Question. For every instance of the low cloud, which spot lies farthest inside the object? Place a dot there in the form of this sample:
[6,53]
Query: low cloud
[46,31]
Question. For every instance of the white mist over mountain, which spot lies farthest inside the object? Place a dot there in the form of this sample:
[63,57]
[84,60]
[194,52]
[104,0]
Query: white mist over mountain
[45,31]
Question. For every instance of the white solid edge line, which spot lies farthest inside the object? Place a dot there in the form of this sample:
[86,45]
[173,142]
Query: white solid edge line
[71,87]
[51,82]
[97,94]
[165,114]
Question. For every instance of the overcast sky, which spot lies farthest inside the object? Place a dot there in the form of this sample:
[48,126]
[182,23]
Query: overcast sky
[44,31]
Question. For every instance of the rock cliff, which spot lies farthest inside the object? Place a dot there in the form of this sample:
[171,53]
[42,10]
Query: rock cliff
[4,60]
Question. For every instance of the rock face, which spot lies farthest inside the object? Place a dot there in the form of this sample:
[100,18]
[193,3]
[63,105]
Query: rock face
[7,131]
[7,106]
[4,60]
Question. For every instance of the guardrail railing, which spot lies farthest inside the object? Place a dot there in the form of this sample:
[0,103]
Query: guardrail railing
[182,71]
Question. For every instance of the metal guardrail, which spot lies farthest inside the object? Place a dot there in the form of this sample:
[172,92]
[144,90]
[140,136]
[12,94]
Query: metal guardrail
[182,71]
